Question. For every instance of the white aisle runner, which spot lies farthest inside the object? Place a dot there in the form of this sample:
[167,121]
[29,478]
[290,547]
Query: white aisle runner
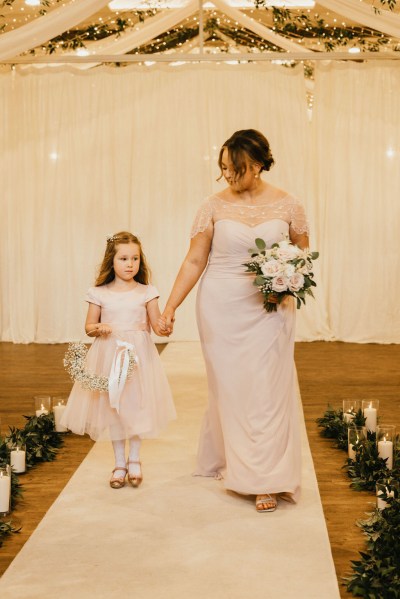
[177,536]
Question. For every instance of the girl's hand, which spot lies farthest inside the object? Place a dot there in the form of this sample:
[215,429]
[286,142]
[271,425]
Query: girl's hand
[100,330]
[167,320]
[160,328]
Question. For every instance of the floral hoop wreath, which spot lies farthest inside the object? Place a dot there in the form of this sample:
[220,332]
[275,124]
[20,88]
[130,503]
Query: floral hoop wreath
[75,365]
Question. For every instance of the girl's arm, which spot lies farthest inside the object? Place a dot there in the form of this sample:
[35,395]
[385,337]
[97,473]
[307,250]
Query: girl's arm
[154,314]
[93,326]
[192,267]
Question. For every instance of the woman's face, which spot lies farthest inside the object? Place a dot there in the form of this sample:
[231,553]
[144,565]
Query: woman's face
[239,183]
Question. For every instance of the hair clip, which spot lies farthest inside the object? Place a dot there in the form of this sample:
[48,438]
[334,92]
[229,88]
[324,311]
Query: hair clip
[111,238]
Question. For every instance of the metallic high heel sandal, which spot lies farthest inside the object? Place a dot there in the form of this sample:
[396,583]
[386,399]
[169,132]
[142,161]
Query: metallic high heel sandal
[117,482]
[135,479]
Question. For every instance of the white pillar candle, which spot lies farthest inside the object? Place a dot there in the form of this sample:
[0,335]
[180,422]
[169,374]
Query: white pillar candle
[17,460]
[348,417]
[5,491]
[352,453]
[42,411]
[58,411]
[370,415]
[381,504]
[385,450]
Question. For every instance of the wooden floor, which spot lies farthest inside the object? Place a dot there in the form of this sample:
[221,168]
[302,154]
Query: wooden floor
[328,373]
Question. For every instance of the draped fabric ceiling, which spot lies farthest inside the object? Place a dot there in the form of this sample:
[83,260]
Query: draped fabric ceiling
[24,30]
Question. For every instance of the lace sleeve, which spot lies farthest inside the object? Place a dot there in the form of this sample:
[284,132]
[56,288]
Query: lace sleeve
[202,219]
[298,218]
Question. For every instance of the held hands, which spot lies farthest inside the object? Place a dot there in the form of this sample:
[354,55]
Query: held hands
[166,322]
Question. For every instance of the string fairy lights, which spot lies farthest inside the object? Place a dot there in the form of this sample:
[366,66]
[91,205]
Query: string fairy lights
[310,27]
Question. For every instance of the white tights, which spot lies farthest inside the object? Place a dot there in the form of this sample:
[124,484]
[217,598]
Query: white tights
[134,455]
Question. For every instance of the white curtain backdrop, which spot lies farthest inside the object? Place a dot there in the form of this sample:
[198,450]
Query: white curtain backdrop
[356,129]
[87,154]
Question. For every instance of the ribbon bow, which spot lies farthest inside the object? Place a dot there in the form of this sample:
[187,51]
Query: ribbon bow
[118,372]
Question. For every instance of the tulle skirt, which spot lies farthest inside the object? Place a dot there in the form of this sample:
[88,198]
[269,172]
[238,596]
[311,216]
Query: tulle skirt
[146,403]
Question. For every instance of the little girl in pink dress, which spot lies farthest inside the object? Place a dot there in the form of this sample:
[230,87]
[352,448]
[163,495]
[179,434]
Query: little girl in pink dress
[122,306]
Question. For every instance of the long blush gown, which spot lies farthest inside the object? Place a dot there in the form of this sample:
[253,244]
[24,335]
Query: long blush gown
[146,404]
[250,434]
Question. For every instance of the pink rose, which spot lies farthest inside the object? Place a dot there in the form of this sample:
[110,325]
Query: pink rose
[296,282]
[280,283]
[270,268]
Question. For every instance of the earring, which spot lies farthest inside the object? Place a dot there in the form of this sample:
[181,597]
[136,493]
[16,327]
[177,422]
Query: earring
[256,176]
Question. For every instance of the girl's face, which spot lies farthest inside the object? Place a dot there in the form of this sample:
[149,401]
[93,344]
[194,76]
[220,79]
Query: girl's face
[126,261]
[236,183]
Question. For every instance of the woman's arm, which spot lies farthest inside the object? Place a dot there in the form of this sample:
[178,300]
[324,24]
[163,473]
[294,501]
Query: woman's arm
[192,267]
[299,239]
[93,326]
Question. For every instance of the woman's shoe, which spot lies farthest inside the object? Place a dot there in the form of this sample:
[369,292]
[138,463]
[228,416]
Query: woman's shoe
[266,500]
[135,479]
[117,482]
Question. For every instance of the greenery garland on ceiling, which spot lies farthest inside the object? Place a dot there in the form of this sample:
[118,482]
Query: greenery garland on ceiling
[287,23]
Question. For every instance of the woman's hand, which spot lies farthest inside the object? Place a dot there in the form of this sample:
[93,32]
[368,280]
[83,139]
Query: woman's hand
[167,320]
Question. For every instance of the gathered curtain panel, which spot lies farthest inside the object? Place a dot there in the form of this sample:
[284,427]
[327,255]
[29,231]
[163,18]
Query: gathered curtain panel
[44,28]
[89,154]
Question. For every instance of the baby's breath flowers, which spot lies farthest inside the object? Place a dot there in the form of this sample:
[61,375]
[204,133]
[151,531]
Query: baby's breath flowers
[75,365]
[284,269]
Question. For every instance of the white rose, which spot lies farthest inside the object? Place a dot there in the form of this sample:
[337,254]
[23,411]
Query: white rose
[270,268]
[280,283]
[288,252]
[296,282]
[289,270]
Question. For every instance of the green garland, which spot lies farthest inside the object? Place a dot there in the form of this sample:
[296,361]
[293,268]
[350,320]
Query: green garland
[334,427]
[377,574]
[41,443]
[288,23]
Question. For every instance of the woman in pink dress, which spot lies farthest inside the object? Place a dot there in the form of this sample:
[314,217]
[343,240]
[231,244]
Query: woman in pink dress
[251,433]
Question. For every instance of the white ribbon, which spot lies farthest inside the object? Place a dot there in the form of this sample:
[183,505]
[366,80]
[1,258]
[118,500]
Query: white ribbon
[118,372]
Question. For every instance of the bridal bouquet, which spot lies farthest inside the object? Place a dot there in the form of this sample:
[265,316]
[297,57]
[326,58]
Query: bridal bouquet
[282,270]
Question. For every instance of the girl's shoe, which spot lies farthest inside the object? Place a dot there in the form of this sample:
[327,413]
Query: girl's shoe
[135,479]
[264,500]
[117,482]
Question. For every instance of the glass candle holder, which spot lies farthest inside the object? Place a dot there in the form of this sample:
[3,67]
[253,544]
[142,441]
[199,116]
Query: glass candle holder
[385,438]
[370,409]
[42,405]
[5,489]
[350,409]
[59,405]
[355,435]
[18,458]
[382,490]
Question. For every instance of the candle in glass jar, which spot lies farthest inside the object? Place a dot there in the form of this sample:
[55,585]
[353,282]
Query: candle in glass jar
[370,415]
[58,411]
[5,490]
[17,460]
[385,450]
[381,504]
[42,411]
[348,417]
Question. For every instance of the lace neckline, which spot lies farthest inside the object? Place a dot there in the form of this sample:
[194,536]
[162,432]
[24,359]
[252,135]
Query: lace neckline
[272,203]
